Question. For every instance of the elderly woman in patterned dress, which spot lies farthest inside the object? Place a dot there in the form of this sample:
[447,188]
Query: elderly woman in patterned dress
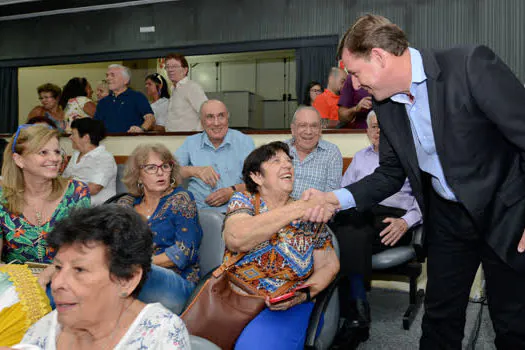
[151,178]
[282,252]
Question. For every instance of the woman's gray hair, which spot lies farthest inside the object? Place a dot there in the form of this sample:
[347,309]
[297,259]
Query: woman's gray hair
[369,117]
[126,72]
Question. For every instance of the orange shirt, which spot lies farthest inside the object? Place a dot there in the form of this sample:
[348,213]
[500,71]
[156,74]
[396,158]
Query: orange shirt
[326,105]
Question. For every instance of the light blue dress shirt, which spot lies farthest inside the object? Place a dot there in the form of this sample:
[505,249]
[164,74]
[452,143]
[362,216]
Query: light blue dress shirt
[418,110]
[227,160]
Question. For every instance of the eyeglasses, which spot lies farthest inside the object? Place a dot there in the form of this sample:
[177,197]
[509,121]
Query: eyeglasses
[316,91]
[154,168]
[17,134]
[220,116]
[173,67]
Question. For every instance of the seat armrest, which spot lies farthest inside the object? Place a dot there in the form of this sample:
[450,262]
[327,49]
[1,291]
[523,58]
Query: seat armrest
[418,238]
[115,198]
[321,302]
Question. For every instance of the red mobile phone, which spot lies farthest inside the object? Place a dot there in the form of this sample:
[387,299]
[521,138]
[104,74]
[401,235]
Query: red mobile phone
[283,297]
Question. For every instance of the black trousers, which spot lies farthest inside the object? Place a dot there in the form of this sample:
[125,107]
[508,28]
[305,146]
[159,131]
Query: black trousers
[455,250]
[358,237]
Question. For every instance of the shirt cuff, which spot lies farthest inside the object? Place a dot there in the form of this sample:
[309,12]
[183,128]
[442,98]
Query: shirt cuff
[412,218]
[175,255]
[345,197]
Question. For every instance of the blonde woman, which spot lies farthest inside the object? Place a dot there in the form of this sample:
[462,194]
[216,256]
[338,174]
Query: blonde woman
[171,212]
[32,196]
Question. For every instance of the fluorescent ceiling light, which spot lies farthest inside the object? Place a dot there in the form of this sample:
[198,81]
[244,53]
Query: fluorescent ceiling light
[81,9]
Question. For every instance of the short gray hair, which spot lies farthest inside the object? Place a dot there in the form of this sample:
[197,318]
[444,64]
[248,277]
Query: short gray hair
[126,73]
[369,117]
[208,101]
[303,107]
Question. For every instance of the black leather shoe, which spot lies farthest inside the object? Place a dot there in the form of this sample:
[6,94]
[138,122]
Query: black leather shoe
[363,313]
[350,335]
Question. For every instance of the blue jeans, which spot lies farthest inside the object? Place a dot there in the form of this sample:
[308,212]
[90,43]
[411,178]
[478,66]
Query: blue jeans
[166,287]
[277,330]
[162,286]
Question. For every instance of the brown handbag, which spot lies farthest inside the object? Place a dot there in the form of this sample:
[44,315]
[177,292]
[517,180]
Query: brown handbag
[218,312]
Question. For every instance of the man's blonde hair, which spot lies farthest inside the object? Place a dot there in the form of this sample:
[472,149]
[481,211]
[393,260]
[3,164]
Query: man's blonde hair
[30,140]
[373,31]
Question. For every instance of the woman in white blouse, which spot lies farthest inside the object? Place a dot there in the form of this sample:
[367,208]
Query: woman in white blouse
[157,91]
[103,255]
[91,162]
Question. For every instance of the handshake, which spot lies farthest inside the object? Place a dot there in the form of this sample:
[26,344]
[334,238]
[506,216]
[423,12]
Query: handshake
[319,206]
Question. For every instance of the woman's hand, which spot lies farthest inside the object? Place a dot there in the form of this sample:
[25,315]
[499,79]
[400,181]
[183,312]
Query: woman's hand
[44,277]
[299,298]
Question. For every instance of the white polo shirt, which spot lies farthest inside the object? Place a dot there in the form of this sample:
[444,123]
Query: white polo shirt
[97,166]
[183,110]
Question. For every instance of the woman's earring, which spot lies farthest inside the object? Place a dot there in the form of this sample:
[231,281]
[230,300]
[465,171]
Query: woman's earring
[123,294]
[140,186]
[173,182]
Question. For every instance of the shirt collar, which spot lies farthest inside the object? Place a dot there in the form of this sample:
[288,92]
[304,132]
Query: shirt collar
[95,151]
[182,81]
[205,140]
[112,94]
[370,149]
[418,76]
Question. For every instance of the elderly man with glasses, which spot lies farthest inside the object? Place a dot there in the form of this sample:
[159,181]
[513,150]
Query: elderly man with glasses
[213,160]
[186,96]
[317,163]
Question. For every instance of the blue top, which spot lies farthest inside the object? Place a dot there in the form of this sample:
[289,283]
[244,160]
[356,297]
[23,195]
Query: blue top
[176,230]
[418,110]
[119,113]
[227,160]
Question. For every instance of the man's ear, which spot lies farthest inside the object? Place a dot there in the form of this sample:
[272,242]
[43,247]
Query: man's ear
[379,55]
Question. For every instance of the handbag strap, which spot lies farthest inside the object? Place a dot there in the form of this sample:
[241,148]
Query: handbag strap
[233,260]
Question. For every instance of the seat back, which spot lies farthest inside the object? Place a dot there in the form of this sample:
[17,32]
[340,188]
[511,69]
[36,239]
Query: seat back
[121,188]
[211,250]
[331,312]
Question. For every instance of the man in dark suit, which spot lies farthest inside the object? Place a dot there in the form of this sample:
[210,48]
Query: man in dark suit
[453,121]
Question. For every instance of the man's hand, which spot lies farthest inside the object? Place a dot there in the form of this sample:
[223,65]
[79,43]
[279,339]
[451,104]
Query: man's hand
[219,197]
[323,205]
[364,103]
[135,129]
[208,175]
[521,244]
[393,232]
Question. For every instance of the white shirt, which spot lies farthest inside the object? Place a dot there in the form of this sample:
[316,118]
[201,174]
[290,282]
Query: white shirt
[155,328]
[183,111]
[97,166]
[160,110]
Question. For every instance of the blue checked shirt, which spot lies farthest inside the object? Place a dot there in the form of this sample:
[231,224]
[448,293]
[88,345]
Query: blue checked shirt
[322,169]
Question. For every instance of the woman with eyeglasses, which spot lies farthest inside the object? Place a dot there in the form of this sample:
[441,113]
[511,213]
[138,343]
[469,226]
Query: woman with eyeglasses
[49,95]
[151,177]
[313,89]
[33,197]
[157,91]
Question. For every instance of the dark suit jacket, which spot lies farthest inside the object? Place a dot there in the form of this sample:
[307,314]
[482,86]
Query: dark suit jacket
[477,109]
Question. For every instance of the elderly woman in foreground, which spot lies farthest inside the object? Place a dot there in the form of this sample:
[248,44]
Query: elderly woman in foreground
[103,257]
[282,252]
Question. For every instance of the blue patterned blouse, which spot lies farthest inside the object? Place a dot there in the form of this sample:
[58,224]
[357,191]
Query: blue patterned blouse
[176,230]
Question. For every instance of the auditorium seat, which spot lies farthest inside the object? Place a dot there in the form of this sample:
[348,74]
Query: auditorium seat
[404,261]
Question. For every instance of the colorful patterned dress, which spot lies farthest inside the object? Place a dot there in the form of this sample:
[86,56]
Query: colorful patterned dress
[24,241]
[279,264]
[176,230]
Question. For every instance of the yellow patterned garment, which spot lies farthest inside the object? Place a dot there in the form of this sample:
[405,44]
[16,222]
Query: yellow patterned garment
[32,303]
[279,264]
